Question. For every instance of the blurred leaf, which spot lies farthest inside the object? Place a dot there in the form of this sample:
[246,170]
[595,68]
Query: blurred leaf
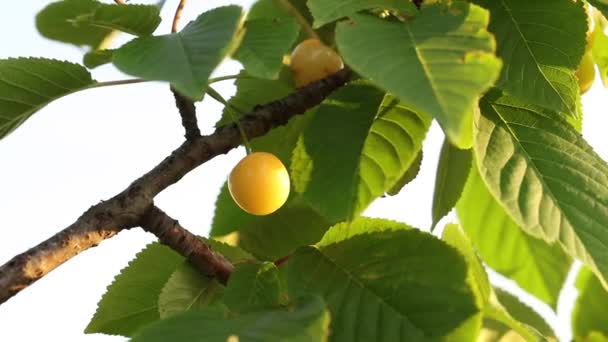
[89,22]
[408,176]
[523,313]
[599,49]
[355,148]
[601,5]
[267,9]
[545,175]
[452,172]
[325,11]
[533,264]
[187,58]
[131,301]
[456,238]
[306,321]
[255,287]
[187,289]
[277,235]
[386,285]
[28,84]
[542,42]
[437,64]
[590,312]
[93,59]
[264,44]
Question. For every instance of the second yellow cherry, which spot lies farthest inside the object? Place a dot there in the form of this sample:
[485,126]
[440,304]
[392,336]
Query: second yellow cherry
[312,60]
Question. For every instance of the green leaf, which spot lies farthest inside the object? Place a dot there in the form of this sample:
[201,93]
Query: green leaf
[394,285]
[28,84]
[591,308]
[408,176]
[254,287]
[93,59]
[187,289]
[354,149]
[132,300]
[89,22]
[599,49]
[274,236]
[543,42]
[325,11]
[534,265]
[187,58]
[265,43]
[360,226]
[306,321]
[437,64]
[452,172]
[493,310]
[268,237]
[228,216]
[545,175]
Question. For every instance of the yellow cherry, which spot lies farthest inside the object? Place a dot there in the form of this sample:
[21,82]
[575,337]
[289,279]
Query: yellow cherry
[586,72]
[312,60]
[259,183]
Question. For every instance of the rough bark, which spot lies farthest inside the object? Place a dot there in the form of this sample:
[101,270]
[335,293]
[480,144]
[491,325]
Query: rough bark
[127,209]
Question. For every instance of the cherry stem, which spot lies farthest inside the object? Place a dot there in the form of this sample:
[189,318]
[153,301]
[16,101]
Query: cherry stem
[229,109]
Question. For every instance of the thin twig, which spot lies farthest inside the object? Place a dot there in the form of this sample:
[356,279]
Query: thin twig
[187,111]
[114,83]
[172,234]
[300,18]
[178,14]
[127,209]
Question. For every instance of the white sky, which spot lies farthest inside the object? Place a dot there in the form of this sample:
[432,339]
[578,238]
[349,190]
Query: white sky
[89,146]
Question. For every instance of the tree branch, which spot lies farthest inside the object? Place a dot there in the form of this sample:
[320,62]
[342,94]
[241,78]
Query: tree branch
[127,209]
[188,113]
[172,234]
[177,15]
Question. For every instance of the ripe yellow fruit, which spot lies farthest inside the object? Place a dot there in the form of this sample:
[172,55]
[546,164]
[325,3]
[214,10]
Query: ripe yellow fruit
[259,183]
[312,60]
[586,72]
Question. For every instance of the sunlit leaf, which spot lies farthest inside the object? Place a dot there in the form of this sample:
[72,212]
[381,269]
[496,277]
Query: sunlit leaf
[397,284]
[437,64]
[339,172]
[548,179]
[535,265]
[542,43]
